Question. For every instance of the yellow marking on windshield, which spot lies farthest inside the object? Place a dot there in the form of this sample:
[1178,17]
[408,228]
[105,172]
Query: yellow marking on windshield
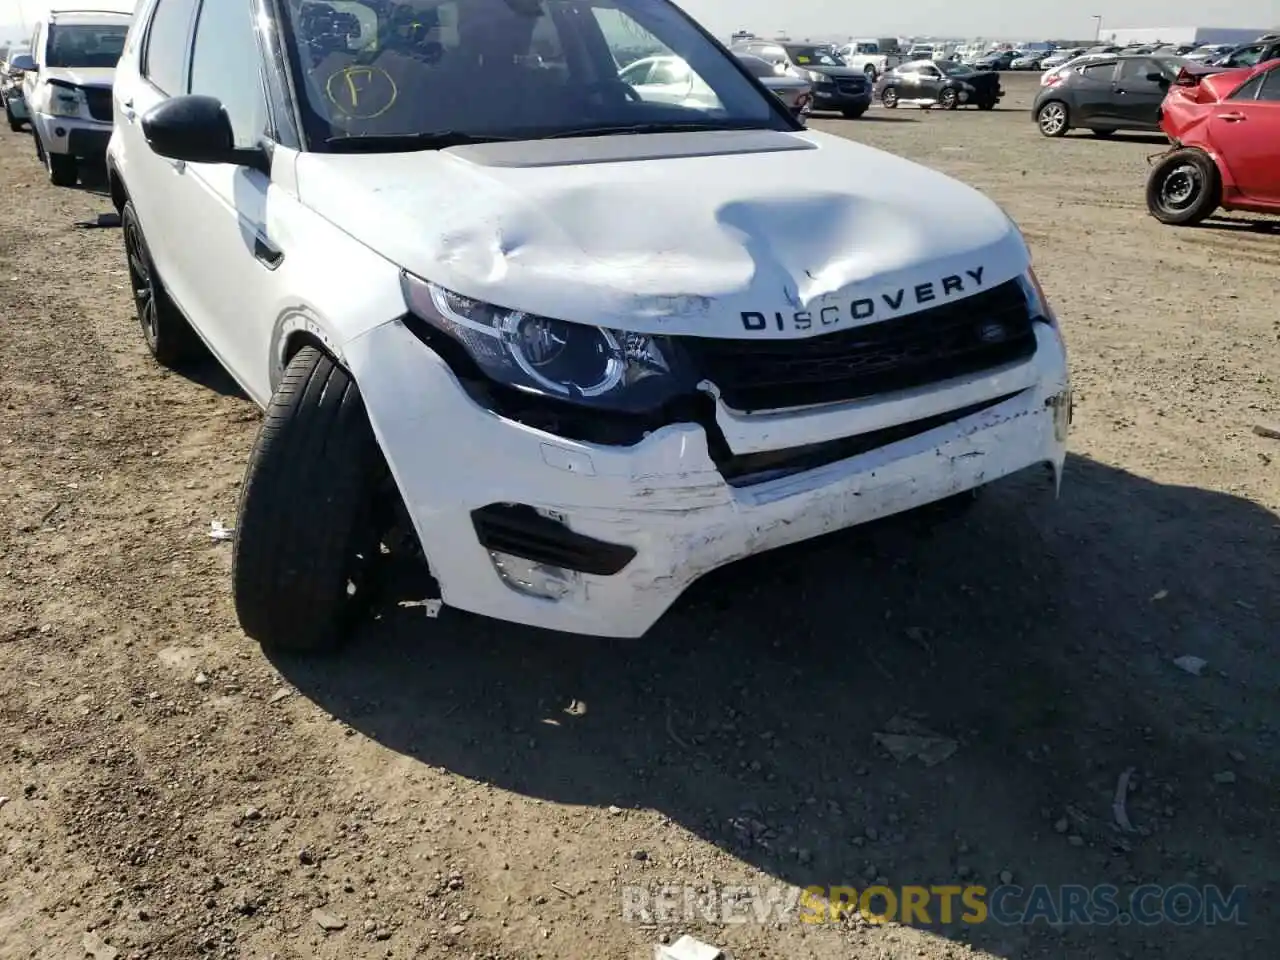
[361,92]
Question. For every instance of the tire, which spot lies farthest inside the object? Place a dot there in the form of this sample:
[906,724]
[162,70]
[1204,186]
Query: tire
[165,330]
[307,527]
[948,99]
[14,123]
[853,113]
[1052,119]
[1184,188]
[870,71]
[64,170]
[889,97]
[1103,134]
[987,105]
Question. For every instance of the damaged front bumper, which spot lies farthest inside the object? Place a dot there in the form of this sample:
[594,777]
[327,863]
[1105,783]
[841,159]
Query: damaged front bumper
[523,525]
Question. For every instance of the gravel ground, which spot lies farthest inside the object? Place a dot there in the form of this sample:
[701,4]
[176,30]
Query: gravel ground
[465,788]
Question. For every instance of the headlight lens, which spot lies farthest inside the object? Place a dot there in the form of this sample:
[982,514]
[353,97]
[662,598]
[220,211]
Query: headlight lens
[64,103]
[1037,302]
[817,77]
[578,363]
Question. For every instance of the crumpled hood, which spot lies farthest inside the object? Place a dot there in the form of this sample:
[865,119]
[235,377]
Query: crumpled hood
[81,76]
[675,233]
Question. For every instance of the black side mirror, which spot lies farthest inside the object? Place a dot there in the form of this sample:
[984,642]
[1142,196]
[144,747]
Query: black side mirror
[196,129]
[1155,76]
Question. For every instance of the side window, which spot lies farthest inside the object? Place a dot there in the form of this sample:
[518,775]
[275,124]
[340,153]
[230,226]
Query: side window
[165,49]
[1250,90]
[1270,91]
[1136,70]
[36,53]
[1245,57]
[226,63]
[1099,72]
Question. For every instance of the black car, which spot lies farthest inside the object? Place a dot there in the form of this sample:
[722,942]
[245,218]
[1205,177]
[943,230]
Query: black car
[943,82]
[1123,92]
[836,87]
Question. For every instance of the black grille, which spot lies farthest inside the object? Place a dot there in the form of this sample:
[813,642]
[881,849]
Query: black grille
[521,531]
[851,86]
[977,333]
[99,101]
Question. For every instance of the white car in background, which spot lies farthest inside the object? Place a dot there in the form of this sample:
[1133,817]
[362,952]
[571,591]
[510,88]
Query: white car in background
[67,86]
[668,80]
[1071,64]
[1210,51]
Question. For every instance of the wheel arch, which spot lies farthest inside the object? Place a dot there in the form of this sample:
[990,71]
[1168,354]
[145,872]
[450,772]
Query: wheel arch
[116,188]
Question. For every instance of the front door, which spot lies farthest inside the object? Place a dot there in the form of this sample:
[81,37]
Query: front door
[1245,129]
[1137,96]
[1094,95]
[930,83]
[227,271]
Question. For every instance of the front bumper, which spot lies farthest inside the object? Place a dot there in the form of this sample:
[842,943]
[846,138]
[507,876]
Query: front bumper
[826,98]
[665,498]
[72,135]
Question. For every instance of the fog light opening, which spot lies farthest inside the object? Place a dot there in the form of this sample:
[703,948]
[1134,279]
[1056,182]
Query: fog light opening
[534,579]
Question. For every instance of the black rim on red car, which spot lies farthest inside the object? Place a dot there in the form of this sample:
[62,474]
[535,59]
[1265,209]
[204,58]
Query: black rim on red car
[1181,187]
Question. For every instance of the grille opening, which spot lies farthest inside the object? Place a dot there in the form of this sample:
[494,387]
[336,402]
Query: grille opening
[752,468]
[982,332]
[99,101]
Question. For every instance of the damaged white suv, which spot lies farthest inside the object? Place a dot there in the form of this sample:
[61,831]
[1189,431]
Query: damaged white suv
[590,346]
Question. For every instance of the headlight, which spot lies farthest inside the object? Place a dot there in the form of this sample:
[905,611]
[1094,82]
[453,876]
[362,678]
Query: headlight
[575,362]
[1037,302]
[817,77]
[65,103]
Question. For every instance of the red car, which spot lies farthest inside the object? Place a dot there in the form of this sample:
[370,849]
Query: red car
[1225,130]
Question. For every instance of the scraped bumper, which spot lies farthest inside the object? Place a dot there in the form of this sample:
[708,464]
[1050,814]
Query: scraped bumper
[662,510]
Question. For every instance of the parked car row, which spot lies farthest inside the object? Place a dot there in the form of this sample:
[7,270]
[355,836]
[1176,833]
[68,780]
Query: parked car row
[1223,125]
[943,83]
[11,95]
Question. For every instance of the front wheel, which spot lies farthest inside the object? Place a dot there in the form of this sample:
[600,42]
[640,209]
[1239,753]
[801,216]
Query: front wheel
[308,535]
[948,99]
[14,123]
[1052,119]
[889,97]
[1184,188]
[63,169]
[870,71]
[1103,134]
[987,105]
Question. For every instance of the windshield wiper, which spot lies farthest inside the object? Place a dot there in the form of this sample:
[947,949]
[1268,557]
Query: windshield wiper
[678,126]
[402,142]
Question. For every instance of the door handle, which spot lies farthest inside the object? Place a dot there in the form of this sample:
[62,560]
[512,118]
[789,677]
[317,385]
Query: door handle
[267,253]
[1232,117]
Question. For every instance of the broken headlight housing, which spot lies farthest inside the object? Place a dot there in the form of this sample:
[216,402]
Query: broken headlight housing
[574,362]
[1037,302]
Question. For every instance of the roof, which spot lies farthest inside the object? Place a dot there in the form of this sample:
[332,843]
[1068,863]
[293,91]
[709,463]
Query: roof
[90,16]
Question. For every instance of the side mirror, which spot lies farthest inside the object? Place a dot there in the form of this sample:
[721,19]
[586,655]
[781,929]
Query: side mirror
[23,62]
[1155,76]
[196,129]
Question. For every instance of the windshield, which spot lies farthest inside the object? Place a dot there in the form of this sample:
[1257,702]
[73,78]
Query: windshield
[808,56]
[81,45]
[371,72]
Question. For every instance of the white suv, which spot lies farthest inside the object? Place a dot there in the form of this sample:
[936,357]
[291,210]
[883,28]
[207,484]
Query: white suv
[68,92]
[587,346]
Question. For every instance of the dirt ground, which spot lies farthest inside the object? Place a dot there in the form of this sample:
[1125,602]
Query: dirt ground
[457,787]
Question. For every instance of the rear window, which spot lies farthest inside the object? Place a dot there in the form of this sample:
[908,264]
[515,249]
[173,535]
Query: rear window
[758,68]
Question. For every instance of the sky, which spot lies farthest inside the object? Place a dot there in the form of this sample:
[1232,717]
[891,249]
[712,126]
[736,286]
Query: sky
[839,18]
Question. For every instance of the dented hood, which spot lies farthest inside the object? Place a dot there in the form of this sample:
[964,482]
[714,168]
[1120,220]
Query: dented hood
[702,234]
[81,76]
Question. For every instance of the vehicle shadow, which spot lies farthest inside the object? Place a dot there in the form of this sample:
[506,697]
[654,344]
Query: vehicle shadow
[1037,637]
[205,371]
[1122,136]
[1239,224]
[93,179]
[885,117]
